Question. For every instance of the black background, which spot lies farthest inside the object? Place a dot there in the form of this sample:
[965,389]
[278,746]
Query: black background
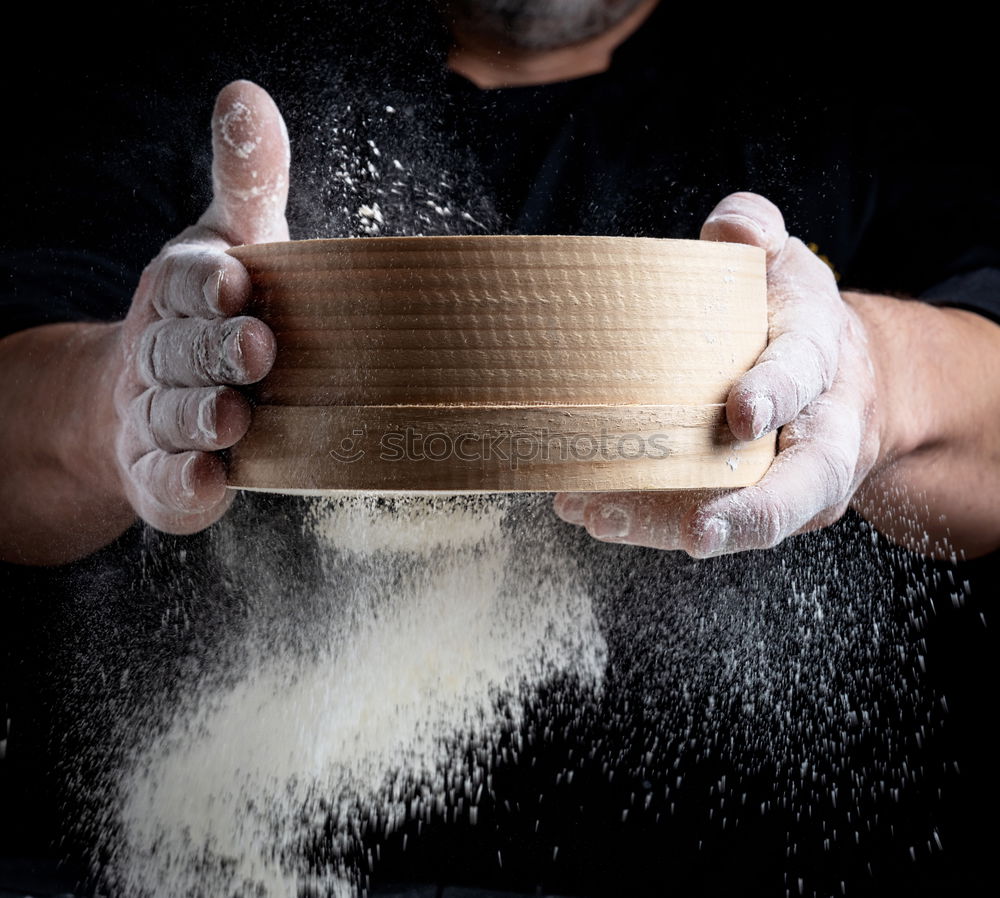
[56,69]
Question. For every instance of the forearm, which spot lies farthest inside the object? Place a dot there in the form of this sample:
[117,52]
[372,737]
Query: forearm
[60,489]
[938,469]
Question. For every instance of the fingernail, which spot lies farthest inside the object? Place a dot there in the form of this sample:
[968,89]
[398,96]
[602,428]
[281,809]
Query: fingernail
[715,535]
[570,507]
[761,416]
[212,290]
[741,219]
[207,415]
[231,352]
[612,523]
[187,476]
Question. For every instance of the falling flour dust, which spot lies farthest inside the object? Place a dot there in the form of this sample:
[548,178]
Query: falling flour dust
[411,651]
[440,651]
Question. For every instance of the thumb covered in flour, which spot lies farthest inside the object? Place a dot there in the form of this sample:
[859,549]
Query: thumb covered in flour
[747,218]
[250,158]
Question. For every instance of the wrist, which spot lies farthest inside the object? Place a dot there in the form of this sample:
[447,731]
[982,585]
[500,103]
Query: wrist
[85,443]
[101,425]
[890,329]
[934,485]
[64,497]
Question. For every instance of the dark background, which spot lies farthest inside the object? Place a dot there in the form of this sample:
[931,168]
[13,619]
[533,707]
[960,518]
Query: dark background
[60,70]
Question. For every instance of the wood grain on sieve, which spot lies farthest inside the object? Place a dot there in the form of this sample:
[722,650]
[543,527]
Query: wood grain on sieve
[498,323]
[304,449]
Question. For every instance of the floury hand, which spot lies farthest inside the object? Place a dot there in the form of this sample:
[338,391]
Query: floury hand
[184,345]
[815,379]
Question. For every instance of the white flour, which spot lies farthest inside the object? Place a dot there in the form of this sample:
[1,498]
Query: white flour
[431,651]
[211,806]
[366,173]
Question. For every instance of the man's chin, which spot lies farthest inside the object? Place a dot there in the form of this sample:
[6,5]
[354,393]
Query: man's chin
[540,24]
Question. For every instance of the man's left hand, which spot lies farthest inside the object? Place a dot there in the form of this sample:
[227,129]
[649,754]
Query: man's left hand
[815,379]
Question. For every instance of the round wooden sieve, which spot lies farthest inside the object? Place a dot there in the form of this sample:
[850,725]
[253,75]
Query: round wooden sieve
[464,364]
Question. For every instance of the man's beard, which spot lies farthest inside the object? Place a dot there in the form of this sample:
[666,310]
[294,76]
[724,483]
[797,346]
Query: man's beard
[540,24]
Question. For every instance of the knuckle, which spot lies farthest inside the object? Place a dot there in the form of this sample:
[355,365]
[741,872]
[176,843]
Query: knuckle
[142,472]
[829,516]
[168,422]
[771,524]
[200,415]
[206,349]
[822,349]
[795,369]
[148,277]
[140,411]
[191,352]
[224,353]
[184,271]
[817,268]
[214,351]
[781,382]
[822,345]
[165,479]
[147,353]
[838,472]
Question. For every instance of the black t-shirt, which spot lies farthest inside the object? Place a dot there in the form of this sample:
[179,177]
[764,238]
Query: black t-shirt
[887,179]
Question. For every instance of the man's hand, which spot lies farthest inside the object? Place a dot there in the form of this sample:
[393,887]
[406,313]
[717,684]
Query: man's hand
[103,421]
[815,379]
[184,345]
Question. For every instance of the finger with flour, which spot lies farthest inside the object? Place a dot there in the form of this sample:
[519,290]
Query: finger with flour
[208,419]
[822,456]
[644,518]
[184,340]
[200,352]
[179,492]
[198,279]
[250,158]
[815,474]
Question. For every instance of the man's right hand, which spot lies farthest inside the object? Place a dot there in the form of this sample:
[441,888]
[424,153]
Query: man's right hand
[103,421]
[185,345]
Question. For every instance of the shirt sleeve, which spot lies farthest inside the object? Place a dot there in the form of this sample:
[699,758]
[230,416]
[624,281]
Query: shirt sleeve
[975,291]
[933,226]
